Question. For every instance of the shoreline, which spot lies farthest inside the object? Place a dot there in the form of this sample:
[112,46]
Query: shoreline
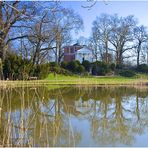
[85,82]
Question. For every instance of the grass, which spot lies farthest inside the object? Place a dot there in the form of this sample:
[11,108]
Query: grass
[140,79]
[101,80]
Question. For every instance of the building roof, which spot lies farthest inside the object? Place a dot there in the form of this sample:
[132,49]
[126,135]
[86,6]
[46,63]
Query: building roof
[77,46]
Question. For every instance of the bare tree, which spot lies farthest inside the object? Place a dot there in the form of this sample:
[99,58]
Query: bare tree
[50,31]
[95,44]
[101,31]
[121,36]
[141,36]
[40,38]
[83,41]
[10,14]
[65,22]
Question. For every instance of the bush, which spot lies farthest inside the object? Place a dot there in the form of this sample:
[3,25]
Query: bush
[87,65]
[59,70]
[14,67]
[118,66]
[113,66]
[53,64]
[100,68]
[127,73]
[80,69]
[72,66]
[64,64]
[142,68]
[41,71]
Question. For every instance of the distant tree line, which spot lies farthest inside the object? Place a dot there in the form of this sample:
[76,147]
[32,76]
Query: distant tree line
[119,37]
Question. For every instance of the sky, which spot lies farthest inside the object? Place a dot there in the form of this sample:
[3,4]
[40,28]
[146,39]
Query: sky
[123,8]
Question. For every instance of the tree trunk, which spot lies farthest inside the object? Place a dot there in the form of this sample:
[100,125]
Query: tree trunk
[119,59]
[106,52]
[1,50]
[138,54]
[138,58]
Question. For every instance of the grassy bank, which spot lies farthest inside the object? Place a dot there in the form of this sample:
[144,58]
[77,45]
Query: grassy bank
[99,80]
[80,80]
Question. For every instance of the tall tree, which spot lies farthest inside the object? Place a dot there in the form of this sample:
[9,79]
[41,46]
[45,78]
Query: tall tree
[10,14]
[65,22]
[40,38]
[121,36]
[141,36]
[51,32]
[96,45]
[101,30]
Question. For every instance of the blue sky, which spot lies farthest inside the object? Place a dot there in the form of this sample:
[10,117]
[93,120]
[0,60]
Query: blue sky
[123,8]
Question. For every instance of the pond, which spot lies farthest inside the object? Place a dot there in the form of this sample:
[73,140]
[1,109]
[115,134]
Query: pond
[73,116]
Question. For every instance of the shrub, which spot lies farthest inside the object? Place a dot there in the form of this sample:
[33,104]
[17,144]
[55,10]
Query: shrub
[64,64]
[142,68]
[53,64]
[119,66]
[59,70]
[41,71]
[87,65]
[80,69]
[113,66]
[77,61]
[14,67]
[72,66]
[127,73]
[100,68]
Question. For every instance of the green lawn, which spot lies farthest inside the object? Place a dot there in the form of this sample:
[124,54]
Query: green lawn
[72,80]
[61,79]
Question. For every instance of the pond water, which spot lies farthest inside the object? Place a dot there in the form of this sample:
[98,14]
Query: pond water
[73,116]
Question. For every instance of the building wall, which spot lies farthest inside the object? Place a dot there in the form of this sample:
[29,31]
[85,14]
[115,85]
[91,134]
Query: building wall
[70,51]
[84,54]
[69,54]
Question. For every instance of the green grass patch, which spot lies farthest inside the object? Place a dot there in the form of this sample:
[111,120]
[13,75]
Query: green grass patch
[61,79]
[79,80]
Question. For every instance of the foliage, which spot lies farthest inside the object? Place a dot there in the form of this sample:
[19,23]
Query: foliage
[127,73]
[87,65]
[100,68]
[53,64]
[119,66]
[41,71]
[72,66]
[64,64]
[80,69]
[59,70]
[15,67]
[112,66]
[142,68]
[75,67]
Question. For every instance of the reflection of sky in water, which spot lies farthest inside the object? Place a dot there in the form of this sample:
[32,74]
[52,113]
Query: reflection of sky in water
[83,125]
[120,120]
[19,125]
[141,140]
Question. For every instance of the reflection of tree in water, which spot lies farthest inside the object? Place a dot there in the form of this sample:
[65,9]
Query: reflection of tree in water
[117,124]
[42,117]
[36,120]
[113,121]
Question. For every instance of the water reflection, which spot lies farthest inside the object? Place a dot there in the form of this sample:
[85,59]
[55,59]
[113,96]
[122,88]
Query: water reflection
[73,116]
